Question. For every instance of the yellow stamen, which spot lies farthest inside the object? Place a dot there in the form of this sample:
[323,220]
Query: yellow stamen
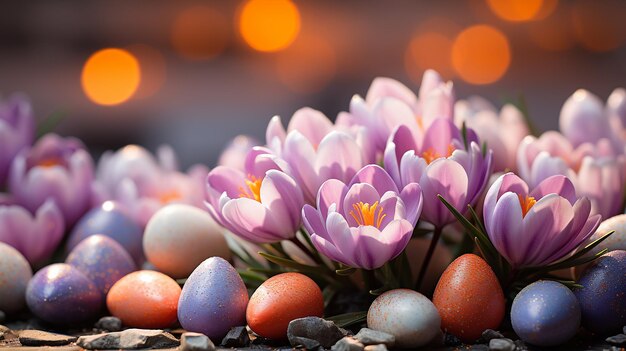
[366,214]
[169,196]
[253,190]
[431,154]
[526,203]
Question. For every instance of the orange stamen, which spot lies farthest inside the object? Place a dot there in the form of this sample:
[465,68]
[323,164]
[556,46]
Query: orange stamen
[49,162]
[526,203]
[430,154]
[169,196]
[366,214]
[253,190]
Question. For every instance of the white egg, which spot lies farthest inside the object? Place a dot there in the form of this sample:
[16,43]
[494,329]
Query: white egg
[15,272]
[179,237]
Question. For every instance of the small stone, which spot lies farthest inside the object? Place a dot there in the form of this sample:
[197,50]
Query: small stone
[489,334]
[109,323]
[129,339]
[42,338]
[479,347]
[380,347]
[368,336]
[520,345]
[306,343]
[501,344]
[236,337]
[348,343]
[451,340]
[196,342]
[619,339]
[326,333]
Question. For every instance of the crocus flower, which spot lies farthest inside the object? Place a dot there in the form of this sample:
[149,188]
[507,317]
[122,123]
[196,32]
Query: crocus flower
[616,106]
[17,131]
[235,152]
[54,168]
[442,163]
[538,227]
[366,223]
[583,120]
[260,204]
[36,237]
[502,133]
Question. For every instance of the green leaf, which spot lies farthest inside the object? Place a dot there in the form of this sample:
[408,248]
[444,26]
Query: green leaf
[251,279]
[328,293]
[348,319]
[50,123]
[345,271]
[238,250]
[320,272]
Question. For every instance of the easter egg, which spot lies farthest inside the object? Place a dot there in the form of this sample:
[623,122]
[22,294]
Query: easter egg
[15,273]
[144,299]
[616,241]
[111,221]
[179,237]
[603,295]
[545,313]
[405,314]
[61,294]
[213,300]
[281,299]
[101,259]
[469,298]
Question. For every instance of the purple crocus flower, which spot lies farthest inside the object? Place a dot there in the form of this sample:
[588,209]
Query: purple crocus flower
[235,152]
[366,223]
[442,163]
[260,204]
[17,131]
[36,237]
[54,168]
[538,227]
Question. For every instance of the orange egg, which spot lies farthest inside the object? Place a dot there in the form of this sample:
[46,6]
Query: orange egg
[145,299]
[469,298]
[281,299]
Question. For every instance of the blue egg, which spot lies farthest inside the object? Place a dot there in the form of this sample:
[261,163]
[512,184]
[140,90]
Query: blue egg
[545,313]
[61,294]
[109,220]
[101,259]
[213,300]
[603,296]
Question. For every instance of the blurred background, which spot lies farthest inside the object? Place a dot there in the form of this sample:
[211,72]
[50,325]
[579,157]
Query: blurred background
[194,74]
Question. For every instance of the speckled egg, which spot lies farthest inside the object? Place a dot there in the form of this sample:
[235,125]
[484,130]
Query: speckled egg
[179,237]
[603,296]
[101,259]
[111,221]
[407,315]
[281,299]
[213,300]
[469,298]
[15,273]
[61,294]
[144,299]
[545,313]
[617,240]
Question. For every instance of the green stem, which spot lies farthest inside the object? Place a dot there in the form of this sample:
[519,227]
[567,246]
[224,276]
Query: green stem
[428,257]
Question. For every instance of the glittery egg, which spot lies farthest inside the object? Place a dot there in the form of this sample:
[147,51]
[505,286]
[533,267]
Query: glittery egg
[15,273]
[469,298]
[101,259]
[111,221]
[61,294]
[179,237]
[213,300]
[281,299]
[545,313]
[144,299]
[406,314]
[603,295]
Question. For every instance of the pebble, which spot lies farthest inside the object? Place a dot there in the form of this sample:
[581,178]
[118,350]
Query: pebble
[348,344]
[489,334]
[479,347]
[368,336]
[128,339]
[406,314]
[323,332]
[618,340]
[451,340]
[15,272]
[42,338]
[195,342]
[145,299]
[380,347]
[520,345]
[109,323]
[501,344]
[236,337]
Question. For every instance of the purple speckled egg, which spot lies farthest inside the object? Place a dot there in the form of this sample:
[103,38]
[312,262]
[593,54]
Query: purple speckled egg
[61,294]
[101,259]
[15,273]
[603,296]
[111,221]
[213,300]
[545,313]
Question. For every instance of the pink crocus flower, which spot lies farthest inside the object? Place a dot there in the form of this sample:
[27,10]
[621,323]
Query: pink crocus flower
[236,150]
[583,119]
[365,223]
[17,131]
[540,226]
[54,168]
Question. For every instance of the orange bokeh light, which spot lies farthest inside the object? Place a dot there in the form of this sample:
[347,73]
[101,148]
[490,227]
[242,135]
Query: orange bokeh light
[199,33]
[111,76]
[269,25]
[308,65]
[515,10]
[481,54]
[429,50]
[599,25]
